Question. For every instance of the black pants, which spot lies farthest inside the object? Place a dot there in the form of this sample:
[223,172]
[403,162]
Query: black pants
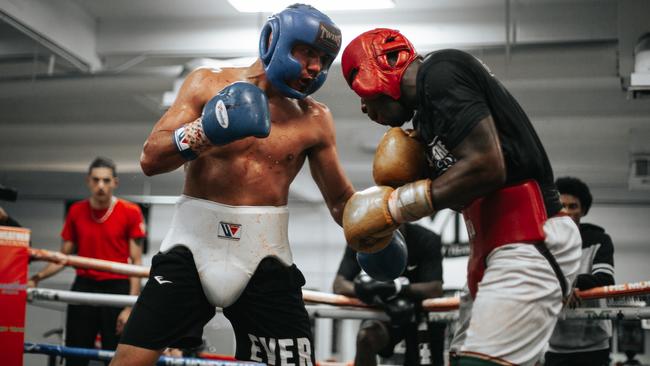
[85,321]
[424,345]
[591,358]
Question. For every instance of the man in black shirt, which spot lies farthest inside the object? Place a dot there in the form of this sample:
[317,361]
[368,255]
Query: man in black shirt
[421,279]
[485,159]
[584,342]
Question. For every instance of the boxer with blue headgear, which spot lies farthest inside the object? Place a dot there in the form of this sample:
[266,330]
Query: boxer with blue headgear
[242,135]
[296,24]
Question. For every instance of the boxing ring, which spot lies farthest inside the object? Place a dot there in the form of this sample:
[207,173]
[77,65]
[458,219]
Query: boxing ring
[14,256]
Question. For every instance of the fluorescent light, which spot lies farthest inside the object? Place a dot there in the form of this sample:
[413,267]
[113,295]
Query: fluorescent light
[273,6]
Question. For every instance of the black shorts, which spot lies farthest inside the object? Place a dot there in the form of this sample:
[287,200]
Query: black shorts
[270,321]
[591,358]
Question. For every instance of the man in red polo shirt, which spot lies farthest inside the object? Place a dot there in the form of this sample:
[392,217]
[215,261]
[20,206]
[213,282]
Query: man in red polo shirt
[102,227]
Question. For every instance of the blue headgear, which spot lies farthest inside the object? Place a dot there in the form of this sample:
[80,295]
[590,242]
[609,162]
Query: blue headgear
[298,23]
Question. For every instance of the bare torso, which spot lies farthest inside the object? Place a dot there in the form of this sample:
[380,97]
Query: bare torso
[251,171]
[256,171]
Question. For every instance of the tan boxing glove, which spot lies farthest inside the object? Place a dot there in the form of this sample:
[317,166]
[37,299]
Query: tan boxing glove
[367,223]
[399,159]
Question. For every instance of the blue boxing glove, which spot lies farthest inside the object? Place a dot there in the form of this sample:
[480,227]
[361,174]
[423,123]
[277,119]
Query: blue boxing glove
[388,263]
[239,110]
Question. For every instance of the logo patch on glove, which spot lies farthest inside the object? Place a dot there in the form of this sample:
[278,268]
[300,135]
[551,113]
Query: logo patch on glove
[222,114]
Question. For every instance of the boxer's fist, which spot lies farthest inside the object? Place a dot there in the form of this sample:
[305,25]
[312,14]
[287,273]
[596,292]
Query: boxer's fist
[363,289]
[388,263]
[367,223]
[239,110]
[371,291]
[399,159]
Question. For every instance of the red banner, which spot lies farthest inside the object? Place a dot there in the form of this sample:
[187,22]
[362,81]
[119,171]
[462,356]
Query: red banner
[14,257]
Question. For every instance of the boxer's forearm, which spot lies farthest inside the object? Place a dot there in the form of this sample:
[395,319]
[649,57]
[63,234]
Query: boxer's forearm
[479,169]
[337,208]
[159,155]
[342,286]
[424,290]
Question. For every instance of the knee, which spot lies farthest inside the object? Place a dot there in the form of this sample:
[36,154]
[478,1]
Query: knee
[371,338]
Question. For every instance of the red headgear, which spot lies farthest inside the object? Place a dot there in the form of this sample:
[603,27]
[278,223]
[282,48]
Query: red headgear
[367,55]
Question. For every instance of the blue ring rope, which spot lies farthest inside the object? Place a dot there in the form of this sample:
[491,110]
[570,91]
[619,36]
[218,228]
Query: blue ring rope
[105,355]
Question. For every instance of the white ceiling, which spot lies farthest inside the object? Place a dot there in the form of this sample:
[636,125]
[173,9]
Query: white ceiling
[85,77]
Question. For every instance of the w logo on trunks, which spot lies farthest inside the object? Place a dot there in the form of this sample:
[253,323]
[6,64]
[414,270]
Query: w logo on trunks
[229,231]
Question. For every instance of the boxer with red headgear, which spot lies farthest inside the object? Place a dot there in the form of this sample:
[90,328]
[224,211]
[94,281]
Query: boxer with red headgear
[243,134]
[375,62]
[485,159]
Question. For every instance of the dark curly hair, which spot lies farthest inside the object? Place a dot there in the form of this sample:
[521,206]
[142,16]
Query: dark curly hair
[102,162]
[577,188]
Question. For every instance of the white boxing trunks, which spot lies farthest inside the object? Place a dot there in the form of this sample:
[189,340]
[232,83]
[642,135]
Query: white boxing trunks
[519,298]
[228,243]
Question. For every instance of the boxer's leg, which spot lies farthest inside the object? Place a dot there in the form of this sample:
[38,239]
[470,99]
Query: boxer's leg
[516,306]
[270,321]
[464,317]
[169,311]
[373,337]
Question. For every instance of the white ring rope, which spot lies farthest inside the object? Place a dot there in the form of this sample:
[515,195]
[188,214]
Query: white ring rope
[327,311]
[437,304]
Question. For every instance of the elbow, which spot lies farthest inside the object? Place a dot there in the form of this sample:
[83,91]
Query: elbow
[147,166]
[148,163]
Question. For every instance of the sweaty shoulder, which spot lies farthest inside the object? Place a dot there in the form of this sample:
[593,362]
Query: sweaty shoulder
[204,82]
[316,111]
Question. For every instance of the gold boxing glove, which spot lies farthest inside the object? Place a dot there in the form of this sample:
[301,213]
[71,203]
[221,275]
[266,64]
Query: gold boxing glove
[367,223]
[399,159]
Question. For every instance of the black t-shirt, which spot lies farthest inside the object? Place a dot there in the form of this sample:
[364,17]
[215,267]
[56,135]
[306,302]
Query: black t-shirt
[456,91]
[424,262]
[598,251]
